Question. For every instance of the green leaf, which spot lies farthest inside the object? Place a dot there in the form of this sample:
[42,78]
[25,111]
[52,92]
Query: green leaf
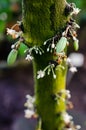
[12,57]
[61,44]
[76,45]
[21,49]
[2,26]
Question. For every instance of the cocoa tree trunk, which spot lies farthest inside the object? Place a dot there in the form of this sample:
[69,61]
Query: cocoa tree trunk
[42,19]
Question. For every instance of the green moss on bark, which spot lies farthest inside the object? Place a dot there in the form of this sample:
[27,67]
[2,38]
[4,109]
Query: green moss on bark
[45,89]
[42,20]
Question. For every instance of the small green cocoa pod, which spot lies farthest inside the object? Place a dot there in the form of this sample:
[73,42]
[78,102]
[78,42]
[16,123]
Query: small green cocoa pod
[12,57]
[21,49]
[61,44]
[76,45]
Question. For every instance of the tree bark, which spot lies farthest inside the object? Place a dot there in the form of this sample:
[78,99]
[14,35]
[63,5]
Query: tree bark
[42,19]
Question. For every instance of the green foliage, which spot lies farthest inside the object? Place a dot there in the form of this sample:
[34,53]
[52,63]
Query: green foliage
[77,2]
[8,8]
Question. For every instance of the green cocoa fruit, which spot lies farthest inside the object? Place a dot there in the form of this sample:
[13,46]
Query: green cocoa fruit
[61,44]
[12,57]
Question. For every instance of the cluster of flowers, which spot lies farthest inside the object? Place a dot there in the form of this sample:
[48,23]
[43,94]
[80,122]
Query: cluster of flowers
[19,36]
[30,103]
[36,49]
[75,10]
[59,46]
[30,111]
[15,35]
[56,47]
[53,46]
[15,47]
[68,33]
[63,95]
[49,69]
[69,124]
[71,67]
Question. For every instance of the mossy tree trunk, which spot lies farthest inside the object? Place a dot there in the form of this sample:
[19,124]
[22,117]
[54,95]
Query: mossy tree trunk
[42,19]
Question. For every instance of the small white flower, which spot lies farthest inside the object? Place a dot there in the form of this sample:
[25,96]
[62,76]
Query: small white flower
[10,31]
[36,51]
[75,11]
[67,91]
[47,49]
[68,129]
[77,59]
[13,33]
[30,102]
[54,76]
[66,117]
[40,74]
[52,45]
[29,105]
[68,61]
[30,98]
[40,52]
[29,113]
[29,57]
[78,127]
[68,94]
[45,42]
[76,25]
[74,38]
[64,33]
[13,46]
[73,69]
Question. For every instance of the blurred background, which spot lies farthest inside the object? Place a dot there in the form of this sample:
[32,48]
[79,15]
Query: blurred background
[17,81]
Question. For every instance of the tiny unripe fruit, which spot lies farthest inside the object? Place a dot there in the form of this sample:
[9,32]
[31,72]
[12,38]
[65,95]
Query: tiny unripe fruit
[76,45]
[21,49]
[61,44]
[12,57]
